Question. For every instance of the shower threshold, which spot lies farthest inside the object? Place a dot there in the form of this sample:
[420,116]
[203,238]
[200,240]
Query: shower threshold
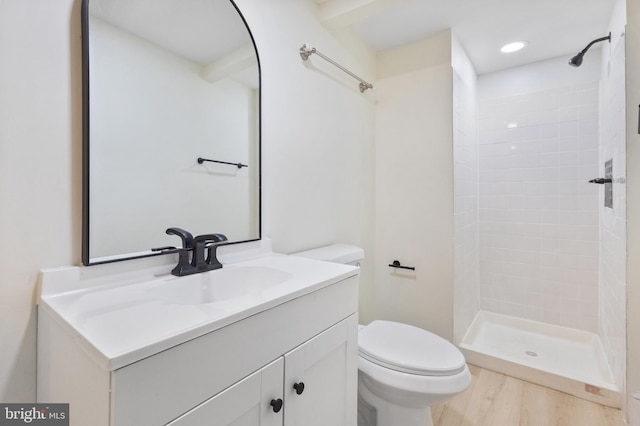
[561,358]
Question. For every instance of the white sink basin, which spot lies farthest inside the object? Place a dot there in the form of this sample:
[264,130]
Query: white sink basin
[126,315]
[244,284]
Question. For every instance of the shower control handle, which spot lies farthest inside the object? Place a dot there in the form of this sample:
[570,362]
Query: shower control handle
[600,181]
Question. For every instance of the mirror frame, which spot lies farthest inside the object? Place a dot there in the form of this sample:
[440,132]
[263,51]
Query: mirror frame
[86,148]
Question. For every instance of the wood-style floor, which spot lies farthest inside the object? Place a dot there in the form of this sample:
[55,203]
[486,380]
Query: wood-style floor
[494,399]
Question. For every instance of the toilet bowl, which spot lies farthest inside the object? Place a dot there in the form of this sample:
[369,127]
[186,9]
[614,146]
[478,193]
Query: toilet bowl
[402,369]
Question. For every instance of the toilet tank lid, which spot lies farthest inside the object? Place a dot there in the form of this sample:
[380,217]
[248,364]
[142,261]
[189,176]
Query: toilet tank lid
[337,253]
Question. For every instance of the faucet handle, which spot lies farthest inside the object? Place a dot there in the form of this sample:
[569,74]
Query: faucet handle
[184,266]
[187,238]
[210,242]
[221,237]
[210,238]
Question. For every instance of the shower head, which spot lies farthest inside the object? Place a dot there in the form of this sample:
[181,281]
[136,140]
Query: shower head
[576,61]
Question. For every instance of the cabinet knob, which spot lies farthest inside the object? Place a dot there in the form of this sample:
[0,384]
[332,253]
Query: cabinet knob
[276,404]
[299,387]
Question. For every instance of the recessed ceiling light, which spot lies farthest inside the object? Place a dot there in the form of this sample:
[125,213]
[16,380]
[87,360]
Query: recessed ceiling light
[513,47]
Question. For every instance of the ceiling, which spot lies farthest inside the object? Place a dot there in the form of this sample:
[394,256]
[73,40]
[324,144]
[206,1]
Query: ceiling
[552,28]
[199,30]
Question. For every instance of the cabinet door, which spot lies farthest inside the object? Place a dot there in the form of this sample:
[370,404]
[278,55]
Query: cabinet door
[327,368]
[246,403]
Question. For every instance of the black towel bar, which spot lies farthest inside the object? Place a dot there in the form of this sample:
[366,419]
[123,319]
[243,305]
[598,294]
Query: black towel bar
[397,264]
[238,165]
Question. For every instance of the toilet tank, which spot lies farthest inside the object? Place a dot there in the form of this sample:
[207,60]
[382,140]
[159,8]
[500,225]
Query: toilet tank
[337,253]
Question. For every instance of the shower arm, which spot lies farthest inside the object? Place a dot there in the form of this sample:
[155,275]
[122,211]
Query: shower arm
[596,41]
[576,61]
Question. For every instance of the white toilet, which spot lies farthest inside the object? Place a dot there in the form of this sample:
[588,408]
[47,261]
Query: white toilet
[402,369]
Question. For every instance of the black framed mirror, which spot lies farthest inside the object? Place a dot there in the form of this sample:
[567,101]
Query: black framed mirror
[166,83]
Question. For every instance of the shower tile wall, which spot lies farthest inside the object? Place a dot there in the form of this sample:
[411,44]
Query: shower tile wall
[613,220]
[465,206]
[538,215]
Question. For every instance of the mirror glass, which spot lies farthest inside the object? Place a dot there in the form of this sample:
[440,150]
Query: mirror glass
[168,82]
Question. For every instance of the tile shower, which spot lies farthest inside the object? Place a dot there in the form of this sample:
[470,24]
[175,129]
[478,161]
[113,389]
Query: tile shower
[538,214]
[549,251]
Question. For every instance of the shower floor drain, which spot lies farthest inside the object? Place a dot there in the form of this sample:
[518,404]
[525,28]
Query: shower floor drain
[531,353]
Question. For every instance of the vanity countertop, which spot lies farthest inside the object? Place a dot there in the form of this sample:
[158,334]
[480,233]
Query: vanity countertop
[124,317]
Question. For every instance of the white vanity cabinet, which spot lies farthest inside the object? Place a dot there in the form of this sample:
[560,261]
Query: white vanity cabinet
[227,376]
[255,400]
[311,385]
[320,378]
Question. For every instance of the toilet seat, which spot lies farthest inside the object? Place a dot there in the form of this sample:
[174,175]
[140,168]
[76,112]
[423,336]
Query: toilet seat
[408,349]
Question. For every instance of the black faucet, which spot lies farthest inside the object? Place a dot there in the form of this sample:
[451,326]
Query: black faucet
[197,245]
[210,242]
[184,265]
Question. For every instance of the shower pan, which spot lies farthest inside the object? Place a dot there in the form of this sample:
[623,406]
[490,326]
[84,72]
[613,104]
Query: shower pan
[569,360]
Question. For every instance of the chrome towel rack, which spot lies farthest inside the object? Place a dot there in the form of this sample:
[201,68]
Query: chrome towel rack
[306,51]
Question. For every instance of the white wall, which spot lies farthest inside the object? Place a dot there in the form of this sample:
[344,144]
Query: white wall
[632,41]
[539,76]
[40,169]
[538,138]
[317,153]
[612,297]
[317,136]
[414,184]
